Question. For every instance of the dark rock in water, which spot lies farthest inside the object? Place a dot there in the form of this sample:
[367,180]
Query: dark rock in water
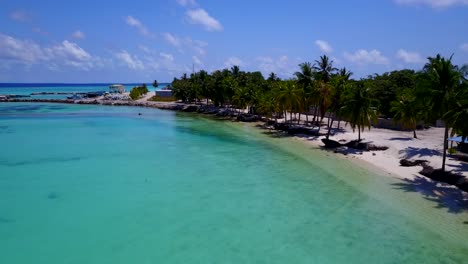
[52,195]
[190,108]
[411,163]
[270,123]
[248,118]
[331,143]
[139,114]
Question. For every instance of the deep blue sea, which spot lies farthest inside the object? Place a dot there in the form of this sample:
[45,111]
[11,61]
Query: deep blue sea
[29,88]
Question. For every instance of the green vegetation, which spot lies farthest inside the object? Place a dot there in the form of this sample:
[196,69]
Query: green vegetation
[439,91]
[158,98]
[138,91]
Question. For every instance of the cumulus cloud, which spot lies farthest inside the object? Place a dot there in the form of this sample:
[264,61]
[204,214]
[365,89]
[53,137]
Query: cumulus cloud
[464,47]
[323,46]
[131,61]
[201,17]
[171,39]
[187,2]
[233,61]
[27,52]
[366,57]
[167,56]
[282,66]
[20,51]
[78,35]
[133,22]
[434,3]
[197,60]
[21,16]
[409,57]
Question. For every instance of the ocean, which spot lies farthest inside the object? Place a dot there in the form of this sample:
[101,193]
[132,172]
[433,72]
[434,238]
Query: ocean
[30,88]
[101,184]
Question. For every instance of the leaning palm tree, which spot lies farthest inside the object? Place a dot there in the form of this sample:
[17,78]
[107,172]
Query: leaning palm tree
[358,109]
[443,80]
[406,112]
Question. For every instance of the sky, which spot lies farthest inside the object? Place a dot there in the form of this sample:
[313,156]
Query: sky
[143,40]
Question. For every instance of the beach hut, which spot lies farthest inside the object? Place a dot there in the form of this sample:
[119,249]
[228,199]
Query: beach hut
[165,92]
[117,88]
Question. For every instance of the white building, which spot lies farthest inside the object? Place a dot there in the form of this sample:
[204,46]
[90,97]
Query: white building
[117,88]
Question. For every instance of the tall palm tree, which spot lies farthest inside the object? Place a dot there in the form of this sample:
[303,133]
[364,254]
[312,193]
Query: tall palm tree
[324,68]
[289,97]
[443,80]
[305,76]
[358,109]
[406,112]
[338,82]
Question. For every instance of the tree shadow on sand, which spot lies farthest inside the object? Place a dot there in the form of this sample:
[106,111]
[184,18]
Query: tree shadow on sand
[445,196]
[400,139]
[411,152]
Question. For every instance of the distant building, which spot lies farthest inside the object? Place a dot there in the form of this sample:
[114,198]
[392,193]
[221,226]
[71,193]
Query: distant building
[165,92]
[117,88]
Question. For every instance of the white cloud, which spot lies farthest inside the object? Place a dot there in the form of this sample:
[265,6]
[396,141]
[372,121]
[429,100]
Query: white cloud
[464,47]
[197,60]
[233,61]
[409,57]
[324,46]
[78,34]
[171,39]
[20,15]
[201,17]
[282,66]
[433,3]
[133,22]
[20,51]
[187,2]
[197,46]
[167,56]
[27,52]
[367,57]
[129,60]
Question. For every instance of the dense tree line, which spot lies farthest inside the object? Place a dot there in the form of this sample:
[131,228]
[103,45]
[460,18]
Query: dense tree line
[439,91]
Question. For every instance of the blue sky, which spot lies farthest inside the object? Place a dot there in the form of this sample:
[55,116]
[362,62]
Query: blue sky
[139,41]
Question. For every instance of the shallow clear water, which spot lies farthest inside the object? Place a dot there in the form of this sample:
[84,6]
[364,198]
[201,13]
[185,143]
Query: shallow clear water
[95,184]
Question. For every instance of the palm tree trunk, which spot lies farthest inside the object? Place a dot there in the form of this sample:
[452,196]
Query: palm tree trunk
[307,118]
[290,116]
[445,147]
[414,133]
[359,132]
[339,121]
[299,120]
[329,128]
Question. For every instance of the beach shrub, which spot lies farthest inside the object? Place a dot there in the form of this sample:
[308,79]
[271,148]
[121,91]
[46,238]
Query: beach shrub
[138,91]
[158,98]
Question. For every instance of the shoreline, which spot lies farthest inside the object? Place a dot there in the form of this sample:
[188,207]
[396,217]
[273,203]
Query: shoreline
[385,162]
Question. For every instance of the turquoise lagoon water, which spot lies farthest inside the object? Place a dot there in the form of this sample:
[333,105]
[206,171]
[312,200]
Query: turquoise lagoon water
[96,184]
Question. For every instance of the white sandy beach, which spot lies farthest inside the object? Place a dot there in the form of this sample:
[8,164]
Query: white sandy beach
[428,146]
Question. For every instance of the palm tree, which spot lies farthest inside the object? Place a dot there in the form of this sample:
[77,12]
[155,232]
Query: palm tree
[272,77]
[443,80]
[406,112]
[338,87]
[324,68]
[288,97]
[457,116]
[358,108]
